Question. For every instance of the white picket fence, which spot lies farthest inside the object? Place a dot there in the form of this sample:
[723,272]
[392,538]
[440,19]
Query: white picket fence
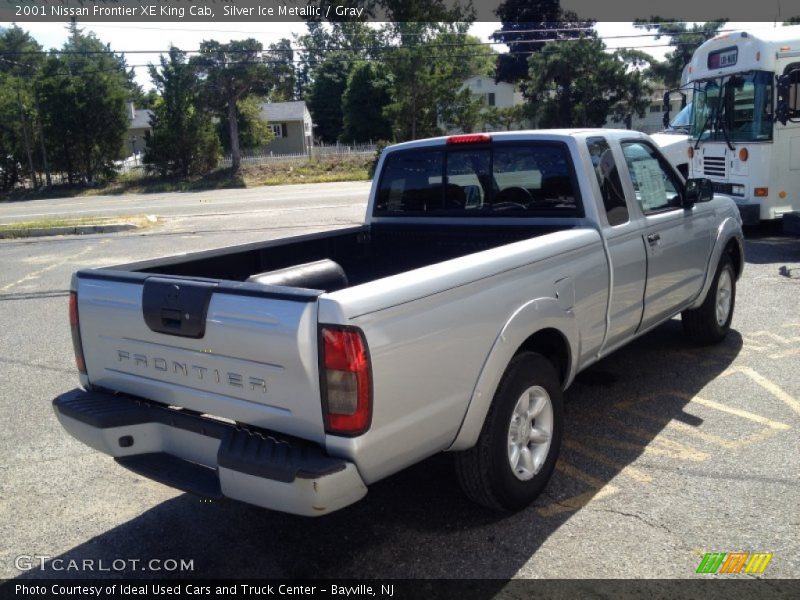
[264,156]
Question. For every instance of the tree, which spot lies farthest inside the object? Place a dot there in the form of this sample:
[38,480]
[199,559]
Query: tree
[429,67]
[231,73]
[354,40]
[579,84]
[183,140]
[254,131]
[505,118]
[83,93]
[142,99]
[19,134]
[325,95]
[281,65]
[526,26]
[368,92]
[464,112]
[685,39]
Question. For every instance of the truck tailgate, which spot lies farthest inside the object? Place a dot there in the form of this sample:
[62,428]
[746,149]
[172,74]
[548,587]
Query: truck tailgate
[253,360]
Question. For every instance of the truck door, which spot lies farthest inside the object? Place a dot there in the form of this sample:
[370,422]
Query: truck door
[625,248]
[677,240]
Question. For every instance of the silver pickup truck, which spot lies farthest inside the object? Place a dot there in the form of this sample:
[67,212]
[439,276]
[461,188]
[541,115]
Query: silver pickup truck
[492,268]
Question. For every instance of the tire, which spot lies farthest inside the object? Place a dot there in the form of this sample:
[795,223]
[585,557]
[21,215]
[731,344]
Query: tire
[710,322]
[485,471]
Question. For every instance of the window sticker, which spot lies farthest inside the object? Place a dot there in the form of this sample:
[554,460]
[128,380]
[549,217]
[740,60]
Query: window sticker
[650,184]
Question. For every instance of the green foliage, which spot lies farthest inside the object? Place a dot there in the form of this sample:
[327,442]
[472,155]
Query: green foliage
[367,94]
[526,26]
[230,73]
[580,85]
[428,67]
[505,118]
[354,40]
[281,66]
[183,140]
[19,141]
[145,100]
[464,112]
[325,94]
[686,40]
[83,94]
[254,131]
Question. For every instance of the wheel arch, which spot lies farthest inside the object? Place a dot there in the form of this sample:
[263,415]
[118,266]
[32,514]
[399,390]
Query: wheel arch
[729,240]
[541,326]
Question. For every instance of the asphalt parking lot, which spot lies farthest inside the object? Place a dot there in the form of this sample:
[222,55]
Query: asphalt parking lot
[671,452]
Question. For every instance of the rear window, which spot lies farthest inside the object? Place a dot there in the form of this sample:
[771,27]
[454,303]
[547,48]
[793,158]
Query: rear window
[512,179]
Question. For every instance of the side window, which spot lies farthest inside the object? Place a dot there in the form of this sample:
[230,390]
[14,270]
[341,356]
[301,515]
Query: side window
[657,188]
[411,182]
[794,91]
[605,168]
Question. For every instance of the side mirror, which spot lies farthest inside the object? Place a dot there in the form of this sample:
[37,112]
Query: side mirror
[697,190]
[667,108]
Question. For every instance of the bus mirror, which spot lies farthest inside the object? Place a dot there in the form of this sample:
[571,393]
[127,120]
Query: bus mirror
[697,190]
[667,108]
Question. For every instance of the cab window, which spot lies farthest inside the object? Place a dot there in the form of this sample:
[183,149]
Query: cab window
[605,168]
[657,188]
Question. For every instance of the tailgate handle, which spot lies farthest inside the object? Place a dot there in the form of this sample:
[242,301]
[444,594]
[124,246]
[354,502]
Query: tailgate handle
[176,306]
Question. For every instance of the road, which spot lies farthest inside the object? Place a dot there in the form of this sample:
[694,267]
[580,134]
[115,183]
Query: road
[191,204]
[671,451]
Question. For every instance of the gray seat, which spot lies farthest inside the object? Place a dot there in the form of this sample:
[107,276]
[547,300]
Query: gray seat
[322,274]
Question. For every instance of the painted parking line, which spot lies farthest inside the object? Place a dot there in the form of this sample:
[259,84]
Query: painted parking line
[654,442]
[599,489]
[626,470]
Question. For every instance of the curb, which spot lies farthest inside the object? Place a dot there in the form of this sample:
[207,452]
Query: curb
[69,230]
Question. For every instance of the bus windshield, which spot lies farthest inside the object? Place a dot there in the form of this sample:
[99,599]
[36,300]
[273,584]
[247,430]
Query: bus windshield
[733,107]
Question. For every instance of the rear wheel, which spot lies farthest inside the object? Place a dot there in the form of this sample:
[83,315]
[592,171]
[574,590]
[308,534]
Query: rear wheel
[711,321]
[520,440]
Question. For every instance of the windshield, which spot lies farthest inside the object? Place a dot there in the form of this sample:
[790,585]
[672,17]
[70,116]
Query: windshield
[683,119]
[739,106]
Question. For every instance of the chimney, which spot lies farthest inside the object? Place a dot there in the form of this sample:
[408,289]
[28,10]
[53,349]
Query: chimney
[132,114]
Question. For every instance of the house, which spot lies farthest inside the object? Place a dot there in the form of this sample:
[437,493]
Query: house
[498,94]
[138,124]
[494,93]
[292,126]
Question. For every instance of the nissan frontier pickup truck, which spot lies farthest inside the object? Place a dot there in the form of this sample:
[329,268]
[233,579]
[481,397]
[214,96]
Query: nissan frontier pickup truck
[492,268]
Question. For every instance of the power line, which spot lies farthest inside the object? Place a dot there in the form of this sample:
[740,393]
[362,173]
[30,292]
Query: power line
[372,48]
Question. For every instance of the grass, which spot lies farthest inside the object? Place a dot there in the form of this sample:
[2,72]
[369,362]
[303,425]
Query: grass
[322,170]
[139,220]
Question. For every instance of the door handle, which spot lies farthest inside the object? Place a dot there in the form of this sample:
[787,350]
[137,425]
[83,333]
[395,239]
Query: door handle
[654,238]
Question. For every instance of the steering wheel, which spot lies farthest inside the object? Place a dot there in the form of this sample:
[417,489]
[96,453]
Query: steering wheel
[514,194]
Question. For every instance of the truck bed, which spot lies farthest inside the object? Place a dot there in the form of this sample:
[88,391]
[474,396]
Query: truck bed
[364,253]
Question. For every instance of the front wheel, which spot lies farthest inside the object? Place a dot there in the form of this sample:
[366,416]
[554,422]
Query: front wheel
[520,440]
[711,321]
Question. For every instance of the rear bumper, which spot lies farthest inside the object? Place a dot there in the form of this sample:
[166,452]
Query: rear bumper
[209,457]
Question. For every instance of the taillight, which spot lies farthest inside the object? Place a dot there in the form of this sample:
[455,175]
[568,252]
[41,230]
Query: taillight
[74,326]
[470,138]
[345,380]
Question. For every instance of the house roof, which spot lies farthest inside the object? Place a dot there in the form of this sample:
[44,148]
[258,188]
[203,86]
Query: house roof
[284,111]
[141,119]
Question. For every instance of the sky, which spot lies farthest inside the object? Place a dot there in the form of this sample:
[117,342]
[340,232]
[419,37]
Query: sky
[159,36]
